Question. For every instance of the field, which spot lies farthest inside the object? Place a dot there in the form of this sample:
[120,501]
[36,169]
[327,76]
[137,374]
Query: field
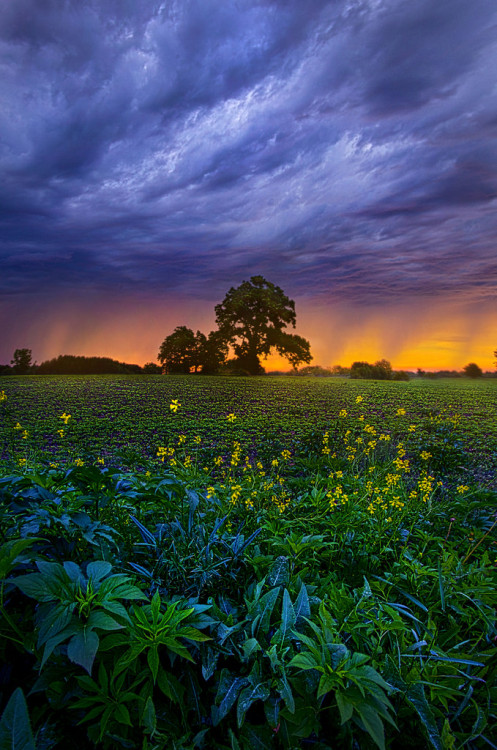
[195,562]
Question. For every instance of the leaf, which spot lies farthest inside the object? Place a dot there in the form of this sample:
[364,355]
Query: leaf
[35,587]
[287,619]
[15,728]
[82,648]
[227,692]
[286,693]
[344,706]
[416,697]
[170,686]
[103,621]
[153,661]
[302,607]
[304,660]
[264,607]
[279,574]
[249,695]
[372,723]
[98,570]
[149,717]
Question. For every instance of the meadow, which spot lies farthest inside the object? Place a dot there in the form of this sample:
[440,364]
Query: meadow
[201,562]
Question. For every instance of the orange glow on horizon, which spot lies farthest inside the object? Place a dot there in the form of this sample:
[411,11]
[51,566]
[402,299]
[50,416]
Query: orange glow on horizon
[432,336]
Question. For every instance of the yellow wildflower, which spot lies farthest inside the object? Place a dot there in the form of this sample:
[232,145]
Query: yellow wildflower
[174,405]
[65,417]
[231,417]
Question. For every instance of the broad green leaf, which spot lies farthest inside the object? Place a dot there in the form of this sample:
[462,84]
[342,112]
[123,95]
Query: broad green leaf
[15,727]
[103,621]
[170,686]
[264,608]
[416,697]
[98,570]
[372,723]
[249,695]
[344,706]
[279,575]
[285,691]
[227,693]
[302,607]
[82,648]
[304,660]
[149,716]
[34,586]
[153,661]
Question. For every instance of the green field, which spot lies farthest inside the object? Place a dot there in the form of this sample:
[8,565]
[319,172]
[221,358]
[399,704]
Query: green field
[280,562]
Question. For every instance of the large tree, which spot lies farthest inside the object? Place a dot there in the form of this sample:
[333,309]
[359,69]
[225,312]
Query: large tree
[252,318]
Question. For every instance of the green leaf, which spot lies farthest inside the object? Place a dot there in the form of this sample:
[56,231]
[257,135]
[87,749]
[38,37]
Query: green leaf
[153,661]
[264,608]
[103,621]
[416,697]
[15,727]
[279,575]
[287,619]
[304,660]
[82,648]
[98,570]
[170,686]
[344,706]
[286,693]
[34,586]
[302,606]
[149,717]
[372,723]
[249,695]
[227,693]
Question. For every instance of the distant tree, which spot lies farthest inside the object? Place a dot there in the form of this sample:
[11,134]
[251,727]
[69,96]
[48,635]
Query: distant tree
[71,364]
[472,371]
[339,370]
[400,375]
[22,361]
[150,368]
[495,355]
[315,370]
[381,370]
[252,318]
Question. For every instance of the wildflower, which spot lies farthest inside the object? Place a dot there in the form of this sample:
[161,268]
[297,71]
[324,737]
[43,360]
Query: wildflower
[231,417]
[100,461]
[181,439]
[285,455]
[65,417]
[3,396]
[197,439]
[401,412]
[211,492]
[22,461]
[61,432]
[342,413]
[425,455]
[174,405]
[79,462]
[359,399]
[462,488]
[412,428]
[218,460]
[25,434]
[18,426]
[274,462]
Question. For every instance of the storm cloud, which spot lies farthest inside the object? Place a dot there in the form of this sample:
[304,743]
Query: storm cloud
[344,149]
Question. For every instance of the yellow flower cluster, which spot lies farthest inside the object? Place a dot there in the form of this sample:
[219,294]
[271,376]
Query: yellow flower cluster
[3,396]
[65,417]
[174,405]
[231,417]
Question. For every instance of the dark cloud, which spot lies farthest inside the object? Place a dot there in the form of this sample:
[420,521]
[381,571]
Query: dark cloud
[345,149]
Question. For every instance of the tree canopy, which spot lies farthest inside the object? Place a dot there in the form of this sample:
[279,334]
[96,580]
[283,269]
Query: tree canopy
[22,361]
[184,351]
[472,370]
[252,318]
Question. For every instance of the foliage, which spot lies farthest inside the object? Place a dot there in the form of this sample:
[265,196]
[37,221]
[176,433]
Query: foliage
[473,371]
[22,361]
[69,364]
[252,318]
[184,351]
[326,580]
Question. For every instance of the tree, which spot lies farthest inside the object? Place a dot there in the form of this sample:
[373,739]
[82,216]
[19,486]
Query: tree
[252,318]
[22,361]
[185,351]
[472,371]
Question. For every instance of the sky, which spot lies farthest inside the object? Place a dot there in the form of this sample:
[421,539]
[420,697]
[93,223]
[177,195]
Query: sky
[155,154]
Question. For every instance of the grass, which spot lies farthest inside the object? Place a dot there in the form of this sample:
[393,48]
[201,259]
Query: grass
[277,562]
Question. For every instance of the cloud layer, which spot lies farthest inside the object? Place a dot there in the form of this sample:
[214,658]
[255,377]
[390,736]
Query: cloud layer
[344,149]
